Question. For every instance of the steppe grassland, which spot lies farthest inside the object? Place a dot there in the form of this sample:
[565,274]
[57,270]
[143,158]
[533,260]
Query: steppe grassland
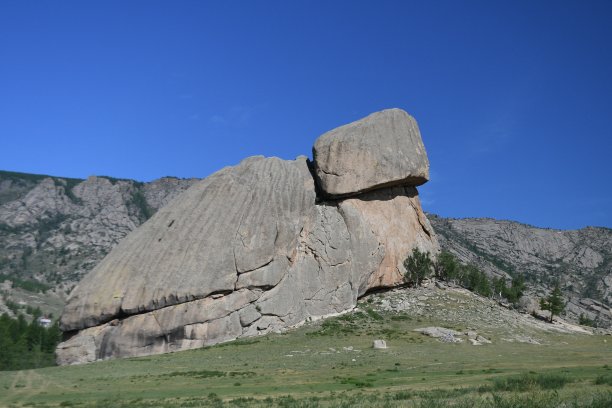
[331,363]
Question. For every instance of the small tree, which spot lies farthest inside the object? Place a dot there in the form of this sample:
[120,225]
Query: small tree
[418,267]
[515,292]
[476,280]
[512,293]
[553,303]
[446,267]
[499,287]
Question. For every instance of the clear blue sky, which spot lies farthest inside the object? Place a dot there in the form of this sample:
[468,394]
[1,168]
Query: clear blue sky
[513,98]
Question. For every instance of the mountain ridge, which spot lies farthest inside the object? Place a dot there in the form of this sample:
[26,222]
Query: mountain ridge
[526,224]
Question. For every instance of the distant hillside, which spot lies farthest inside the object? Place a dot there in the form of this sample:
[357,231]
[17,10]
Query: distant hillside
[580,260]
[53,230]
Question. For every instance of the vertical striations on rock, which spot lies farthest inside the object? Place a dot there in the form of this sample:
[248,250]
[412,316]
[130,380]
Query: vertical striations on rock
[251,249]
[235,222]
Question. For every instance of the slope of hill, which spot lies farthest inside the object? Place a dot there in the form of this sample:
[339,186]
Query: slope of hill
[53,229]
[579,260]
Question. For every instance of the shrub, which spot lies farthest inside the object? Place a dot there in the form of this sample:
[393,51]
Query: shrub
[603,380]
[526,382]
[585,321]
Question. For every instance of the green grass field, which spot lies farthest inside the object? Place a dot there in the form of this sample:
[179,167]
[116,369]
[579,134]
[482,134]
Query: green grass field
[333,365]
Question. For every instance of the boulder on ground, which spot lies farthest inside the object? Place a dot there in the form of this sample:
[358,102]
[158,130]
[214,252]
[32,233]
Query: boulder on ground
[379,344]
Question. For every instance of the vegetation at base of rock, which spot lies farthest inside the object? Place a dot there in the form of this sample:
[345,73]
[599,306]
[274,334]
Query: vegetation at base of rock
[514,292]
[553,303]
[446,267]
[339,368]
[26,345]
[418,267]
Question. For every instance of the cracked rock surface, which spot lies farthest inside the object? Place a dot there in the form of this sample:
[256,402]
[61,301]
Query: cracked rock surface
[249,250]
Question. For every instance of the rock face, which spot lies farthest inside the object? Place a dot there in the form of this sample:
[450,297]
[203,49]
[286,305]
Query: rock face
[248,250]
[238,223]
[392,218]
[383,149]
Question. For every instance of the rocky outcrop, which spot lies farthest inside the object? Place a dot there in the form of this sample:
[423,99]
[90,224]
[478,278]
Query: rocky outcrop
[382,150]
[395,222]
[248,250]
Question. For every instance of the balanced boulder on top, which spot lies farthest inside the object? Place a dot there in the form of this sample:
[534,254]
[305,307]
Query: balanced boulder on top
[381,150]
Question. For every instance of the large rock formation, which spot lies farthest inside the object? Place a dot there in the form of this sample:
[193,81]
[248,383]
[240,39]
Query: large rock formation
[252,249]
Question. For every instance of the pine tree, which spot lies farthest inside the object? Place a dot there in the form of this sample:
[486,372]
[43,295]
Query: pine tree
[553,303]
[515,292]
[446,266]
[26,345]
[418,267]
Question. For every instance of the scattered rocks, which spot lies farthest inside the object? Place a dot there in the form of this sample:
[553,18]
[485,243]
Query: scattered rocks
[522,339]
[442,334]
[479,340]
[479,318]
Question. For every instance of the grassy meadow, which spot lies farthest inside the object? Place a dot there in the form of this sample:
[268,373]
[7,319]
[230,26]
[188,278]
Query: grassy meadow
[332,364]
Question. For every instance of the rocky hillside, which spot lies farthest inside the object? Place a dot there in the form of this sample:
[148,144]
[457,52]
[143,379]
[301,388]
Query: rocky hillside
[53,230]
[579,260]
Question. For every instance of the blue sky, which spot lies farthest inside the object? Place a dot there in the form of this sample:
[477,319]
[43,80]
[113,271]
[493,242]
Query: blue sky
[513,98]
